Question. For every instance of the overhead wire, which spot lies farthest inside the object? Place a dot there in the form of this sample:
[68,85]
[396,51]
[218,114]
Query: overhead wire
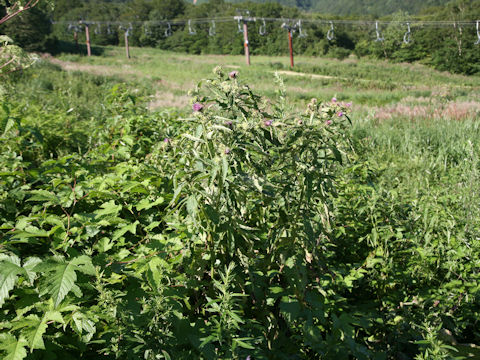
[281,20]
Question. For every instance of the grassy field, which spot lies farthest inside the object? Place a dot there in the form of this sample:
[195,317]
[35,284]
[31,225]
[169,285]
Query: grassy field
[393,273]
[376,88]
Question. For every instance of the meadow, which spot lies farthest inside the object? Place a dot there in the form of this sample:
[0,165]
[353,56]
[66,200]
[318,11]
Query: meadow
[261,225]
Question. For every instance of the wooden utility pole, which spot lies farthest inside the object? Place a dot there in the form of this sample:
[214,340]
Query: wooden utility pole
[244,29]
[87,35]
[290,46]
[290,28]
[127,34]
[127,48]
[245,38]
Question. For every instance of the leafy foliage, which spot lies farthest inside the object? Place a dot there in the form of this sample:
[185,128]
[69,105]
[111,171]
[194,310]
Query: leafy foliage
[244,228]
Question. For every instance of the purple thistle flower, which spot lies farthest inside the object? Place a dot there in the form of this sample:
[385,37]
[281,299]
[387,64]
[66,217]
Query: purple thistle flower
[340,113]
[228,124]
[328,122]
[268,123]
[334,99]
[227,151]
[348,104]
[233,74]
[197,107]
[166,140]
[248,358]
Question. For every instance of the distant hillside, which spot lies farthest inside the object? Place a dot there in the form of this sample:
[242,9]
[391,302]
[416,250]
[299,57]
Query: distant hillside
[373,7]
[358,7]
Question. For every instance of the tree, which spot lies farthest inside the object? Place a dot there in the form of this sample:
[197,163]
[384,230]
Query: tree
[12,57]
[9,11]
[29,30]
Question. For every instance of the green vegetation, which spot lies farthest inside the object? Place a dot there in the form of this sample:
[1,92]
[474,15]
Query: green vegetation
[263,224]
[446,48]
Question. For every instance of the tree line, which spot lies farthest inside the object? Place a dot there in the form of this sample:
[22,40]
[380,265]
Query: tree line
[448,48]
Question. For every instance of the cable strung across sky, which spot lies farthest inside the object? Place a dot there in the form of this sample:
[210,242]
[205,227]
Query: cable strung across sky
[280,20]
[291,25]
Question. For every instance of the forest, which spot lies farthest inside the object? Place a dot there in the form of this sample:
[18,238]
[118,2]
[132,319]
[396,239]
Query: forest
[445,47]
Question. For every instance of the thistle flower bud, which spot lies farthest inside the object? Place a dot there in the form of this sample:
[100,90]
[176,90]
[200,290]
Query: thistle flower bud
[197,107]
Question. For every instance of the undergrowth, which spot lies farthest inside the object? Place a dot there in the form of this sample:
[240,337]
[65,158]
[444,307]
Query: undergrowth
[241,229]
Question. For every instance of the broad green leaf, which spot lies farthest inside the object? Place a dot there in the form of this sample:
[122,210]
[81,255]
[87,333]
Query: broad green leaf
[7,124]
[192,205]
[83,325]
[14,348]
[60,276]
[53,315]
[103,245]
[108,208]
[146,204]
[44,196]
[29,265]
[9,270]
[33,329]
[132,228]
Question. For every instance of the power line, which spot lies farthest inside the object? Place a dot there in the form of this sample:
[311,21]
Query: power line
[244,16]
[442,23]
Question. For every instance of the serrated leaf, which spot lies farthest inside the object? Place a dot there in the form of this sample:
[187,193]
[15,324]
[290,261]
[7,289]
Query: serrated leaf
[62,276]
[7,124]
[14,348]
[53,315]
[103,245]
[9,270]
[81,323]
[145,204]
[33,329]
[44,196]
[192,205]
[132,228]
[29,265]
[108,208]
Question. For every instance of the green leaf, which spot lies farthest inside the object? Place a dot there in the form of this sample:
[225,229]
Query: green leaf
[14,348]
[145,204]
[108,208]
[132,228]
[29,265]
[33,329]
[60,276]
[9,270]
[241,343]
[165,355]
[7,124]
[83,325]
[44,196]
[192,205]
